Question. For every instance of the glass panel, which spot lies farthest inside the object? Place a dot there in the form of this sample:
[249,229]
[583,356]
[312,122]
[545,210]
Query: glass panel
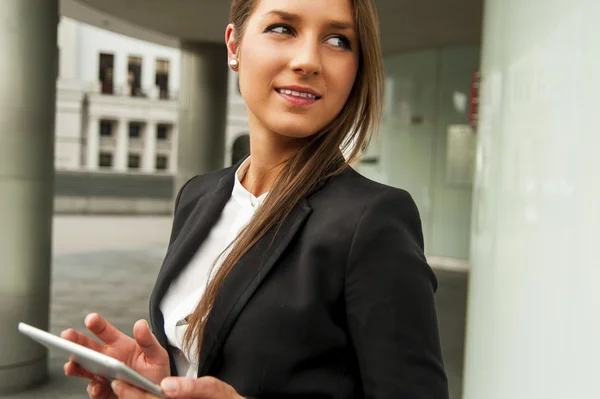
[133,161]
[105,160]
[134,75]
[161,162]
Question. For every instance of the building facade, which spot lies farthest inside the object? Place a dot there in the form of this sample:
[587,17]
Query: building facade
[116,102]
[117,114]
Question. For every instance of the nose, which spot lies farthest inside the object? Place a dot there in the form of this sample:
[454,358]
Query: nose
[306,59]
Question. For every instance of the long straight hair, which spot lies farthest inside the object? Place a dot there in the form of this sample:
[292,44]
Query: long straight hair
[319,159]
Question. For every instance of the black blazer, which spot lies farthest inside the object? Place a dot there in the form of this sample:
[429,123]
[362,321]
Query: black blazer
[339,305]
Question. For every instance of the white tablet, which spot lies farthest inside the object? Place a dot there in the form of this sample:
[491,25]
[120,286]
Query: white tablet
[94,362]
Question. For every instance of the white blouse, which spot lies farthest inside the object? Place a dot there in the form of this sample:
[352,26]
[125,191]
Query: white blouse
[186,291]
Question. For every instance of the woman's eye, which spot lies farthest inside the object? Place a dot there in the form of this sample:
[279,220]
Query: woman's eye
[340,41]
[282,29]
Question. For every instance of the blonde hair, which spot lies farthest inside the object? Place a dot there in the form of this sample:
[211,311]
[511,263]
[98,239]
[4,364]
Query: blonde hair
[319,159]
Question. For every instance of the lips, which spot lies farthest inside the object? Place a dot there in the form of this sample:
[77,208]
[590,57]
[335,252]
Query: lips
[301,92]
[297,99]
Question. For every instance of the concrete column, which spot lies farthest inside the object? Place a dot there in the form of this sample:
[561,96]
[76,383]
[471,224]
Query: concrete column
[203,107]
[92,143]
[122,146]
[533,327]
[149,158]
[28,50]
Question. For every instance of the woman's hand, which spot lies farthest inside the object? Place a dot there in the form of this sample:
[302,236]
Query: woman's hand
[181,388]
[143,354]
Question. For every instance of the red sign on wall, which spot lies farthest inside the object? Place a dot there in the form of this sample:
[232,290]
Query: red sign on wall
[474,101]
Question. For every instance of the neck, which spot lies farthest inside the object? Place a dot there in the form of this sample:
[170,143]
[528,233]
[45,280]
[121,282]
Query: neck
[268,153]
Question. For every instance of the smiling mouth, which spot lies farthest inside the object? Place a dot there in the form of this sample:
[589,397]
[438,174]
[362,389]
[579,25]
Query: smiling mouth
[298,94]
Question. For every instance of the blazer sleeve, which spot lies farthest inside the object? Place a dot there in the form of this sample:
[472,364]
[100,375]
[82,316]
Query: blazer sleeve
[390,306]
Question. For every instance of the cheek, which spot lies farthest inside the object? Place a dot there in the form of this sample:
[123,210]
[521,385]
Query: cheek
[259,66]
[341,81]
[255,85]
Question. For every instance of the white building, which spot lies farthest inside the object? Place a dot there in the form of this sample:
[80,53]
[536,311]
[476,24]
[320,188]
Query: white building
[117,102]
[117,113]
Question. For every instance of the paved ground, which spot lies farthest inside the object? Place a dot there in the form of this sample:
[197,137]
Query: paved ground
[83,234]
[108,265]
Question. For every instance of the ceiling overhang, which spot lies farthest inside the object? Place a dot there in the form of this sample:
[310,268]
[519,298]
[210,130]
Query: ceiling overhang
[405,24]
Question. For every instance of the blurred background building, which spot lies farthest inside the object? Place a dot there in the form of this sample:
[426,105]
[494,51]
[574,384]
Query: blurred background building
[117,122]
[140,99]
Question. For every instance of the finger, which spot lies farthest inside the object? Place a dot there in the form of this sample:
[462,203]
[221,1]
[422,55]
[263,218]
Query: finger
[126,391]
[100,391]
[90,390]
[148,342]
[81,339]
[197,388]
[103,329]
[75,370]
[94,390]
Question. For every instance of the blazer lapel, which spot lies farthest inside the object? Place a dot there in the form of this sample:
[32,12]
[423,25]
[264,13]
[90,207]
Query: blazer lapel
[197,227]
[243,282]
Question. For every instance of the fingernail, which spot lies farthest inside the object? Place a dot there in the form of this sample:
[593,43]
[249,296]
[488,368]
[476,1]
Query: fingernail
[115,385]
[87,318]
[169,385]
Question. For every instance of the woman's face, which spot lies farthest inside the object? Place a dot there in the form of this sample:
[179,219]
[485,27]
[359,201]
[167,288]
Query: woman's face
[298,62]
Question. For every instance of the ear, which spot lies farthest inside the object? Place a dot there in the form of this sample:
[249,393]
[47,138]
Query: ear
[231,42]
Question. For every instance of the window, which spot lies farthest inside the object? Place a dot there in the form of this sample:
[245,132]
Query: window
[162,131]
[134,75]
[162,78]
[135,129]
[105,160]
[106,69]
[106,128]
[133,161]
[162,162]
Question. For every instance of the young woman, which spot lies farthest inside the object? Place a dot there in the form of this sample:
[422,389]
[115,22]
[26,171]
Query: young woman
[290,275]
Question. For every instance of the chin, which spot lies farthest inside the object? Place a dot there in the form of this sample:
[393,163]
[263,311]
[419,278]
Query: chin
[298,128]
[295,131]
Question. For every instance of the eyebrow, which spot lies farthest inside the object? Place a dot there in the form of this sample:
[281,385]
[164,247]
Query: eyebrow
[287,16]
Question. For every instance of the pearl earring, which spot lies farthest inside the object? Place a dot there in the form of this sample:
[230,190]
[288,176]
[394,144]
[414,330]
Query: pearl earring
[234,64]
